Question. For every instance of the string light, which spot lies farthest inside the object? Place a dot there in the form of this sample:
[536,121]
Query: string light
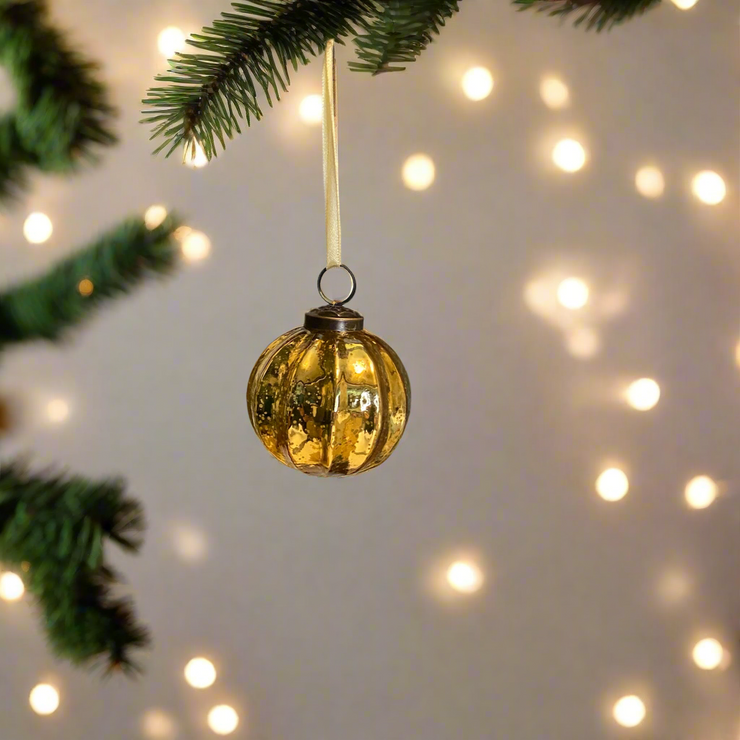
[170,41]
[700,492]
[11,587]
[223,719]
[85,287]
[37,228]
[194,156]
[44,699]
[155,216]
[709,188]
[629,711]
[57,410]
[158,725]
[573,293]
[465,577]
[554,93]
[582,342]
[643,394]
[311,109]
[685,4]
[569,155]
[200,673]
[477,83]
[649,182]
[708,654]
[418,172]
[189,543]
[196,246]
[612,485]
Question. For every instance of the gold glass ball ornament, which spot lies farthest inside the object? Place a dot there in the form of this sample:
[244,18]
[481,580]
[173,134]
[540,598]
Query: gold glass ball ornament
[329,398]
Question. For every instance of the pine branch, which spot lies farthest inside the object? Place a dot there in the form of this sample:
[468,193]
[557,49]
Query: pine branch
[398,32]
[246,53]
[62,112]
[53,529]
[45,307]
[599,14]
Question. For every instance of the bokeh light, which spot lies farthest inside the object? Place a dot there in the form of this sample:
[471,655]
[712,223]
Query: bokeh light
[223,719]
[155,216]
[612,484]
[709,187]
[649,182]
[37,228]
[189,542]
[554,93]
[465,577]
[196,246]
[700,492]
[170,41]
[685,4]
[194,156]
[11,587]
[418,172]
[157,724]
[629,711]
[57,410]
[44,699]
[708,654]
[569,155]
[582,342]
[573,293]
[311,109]
[643,394]
[200,673]
[477,83]
[85,287]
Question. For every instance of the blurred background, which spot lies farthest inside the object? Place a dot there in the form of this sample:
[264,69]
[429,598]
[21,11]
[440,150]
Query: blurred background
[550,244]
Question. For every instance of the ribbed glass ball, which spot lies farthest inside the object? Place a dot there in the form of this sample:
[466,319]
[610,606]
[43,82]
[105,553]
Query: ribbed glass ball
[329,398]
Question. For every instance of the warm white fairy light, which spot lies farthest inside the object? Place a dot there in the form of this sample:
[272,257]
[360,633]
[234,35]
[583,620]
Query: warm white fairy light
[194,156]
[170,41]
[700,492]
[709,187]
[477,83]
[582,342]
[612,484]
[223,719]
[37,228]
[708,654]
[573,293]
[57,410]
[650,182]
[44,699]
[629,711]
[156,724]
[196,246]
[200,673]
[685,4]
[643,394]
[11,587]
[569,155]
[554,93]
[311,109]
[465,577]
[155,216]
[418,172]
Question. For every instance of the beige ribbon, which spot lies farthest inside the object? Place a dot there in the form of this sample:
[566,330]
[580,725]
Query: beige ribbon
[331,160]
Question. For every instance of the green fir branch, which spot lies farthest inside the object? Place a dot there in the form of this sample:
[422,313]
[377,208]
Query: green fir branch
[398,32]
[62,113]
[244,55]
[598,14]
[53,529]
[47,306]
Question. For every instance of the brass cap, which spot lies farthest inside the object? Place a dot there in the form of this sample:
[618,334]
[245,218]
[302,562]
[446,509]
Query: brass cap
[334,318]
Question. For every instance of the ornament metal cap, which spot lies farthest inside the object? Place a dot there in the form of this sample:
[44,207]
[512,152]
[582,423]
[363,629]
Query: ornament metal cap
[334,318]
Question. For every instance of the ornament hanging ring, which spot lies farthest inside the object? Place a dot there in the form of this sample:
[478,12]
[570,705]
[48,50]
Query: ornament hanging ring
[352,287]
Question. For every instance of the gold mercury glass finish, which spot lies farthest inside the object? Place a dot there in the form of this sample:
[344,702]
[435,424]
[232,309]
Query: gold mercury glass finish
[329,398]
